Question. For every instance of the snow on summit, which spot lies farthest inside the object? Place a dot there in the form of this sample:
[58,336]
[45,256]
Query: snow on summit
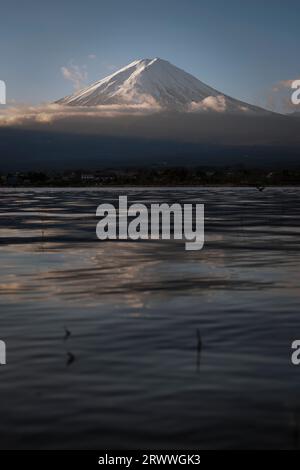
[158,83]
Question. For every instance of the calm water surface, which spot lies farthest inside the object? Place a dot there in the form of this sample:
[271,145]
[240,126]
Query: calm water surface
[130,375]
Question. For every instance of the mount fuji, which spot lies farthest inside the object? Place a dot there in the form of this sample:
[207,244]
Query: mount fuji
[159,84]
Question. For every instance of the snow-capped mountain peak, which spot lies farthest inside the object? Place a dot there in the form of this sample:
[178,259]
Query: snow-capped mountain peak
[158,83]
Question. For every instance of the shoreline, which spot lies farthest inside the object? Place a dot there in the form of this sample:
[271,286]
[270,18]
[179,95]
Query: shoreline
[149,186]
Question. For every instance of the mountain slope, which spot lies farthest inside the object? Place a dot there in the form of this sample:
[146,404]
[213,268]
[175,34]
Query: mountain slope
[155,82]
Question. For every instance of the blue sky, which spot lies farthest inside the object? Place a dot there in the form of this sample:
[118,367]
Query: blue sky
[240,47]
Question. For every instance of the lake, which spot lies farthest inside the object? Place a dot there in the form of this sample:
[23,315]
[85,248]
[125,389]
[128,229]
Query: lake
[103,338]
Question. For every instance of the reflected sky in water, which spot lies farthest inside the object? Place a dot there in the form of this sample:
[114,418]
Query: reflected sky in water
[130,374]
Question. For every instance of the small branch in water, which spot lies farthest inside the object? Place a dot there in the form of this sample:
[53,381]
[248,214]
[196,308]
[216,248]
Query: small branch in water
[70,358]
[67,333]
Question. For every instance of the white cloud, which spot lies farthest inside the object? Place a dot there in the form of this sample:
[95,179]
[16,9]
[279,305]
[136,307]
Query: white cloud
[53,112]
[92,56]
[76,74]
[283,84]
[210,103]
[279,97]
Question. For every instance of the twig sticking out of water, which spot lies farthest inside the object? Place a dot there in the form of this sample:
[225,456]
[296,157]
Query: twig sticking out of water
[260,188]
[70,358]
[67,333]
